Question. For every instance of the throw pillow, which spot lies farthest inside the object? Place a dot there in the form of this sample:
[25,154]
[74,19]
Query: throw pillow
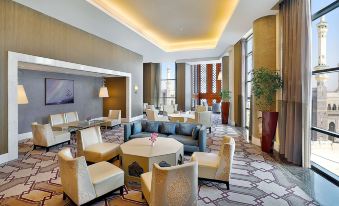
[167,128]
[152,127]
[195,132]
[137,128]
[186,129]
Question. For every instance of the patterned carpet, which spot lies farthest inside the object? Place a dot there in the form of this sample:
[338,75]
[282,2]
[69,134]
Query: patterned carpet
[257,179]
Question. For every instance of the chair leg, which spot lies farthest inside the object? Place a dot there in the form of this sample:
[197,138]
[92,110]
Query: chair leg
[47,149]
[69,142]
[34,147]
[122,190]
[64,196]
[142,196]
[228,185]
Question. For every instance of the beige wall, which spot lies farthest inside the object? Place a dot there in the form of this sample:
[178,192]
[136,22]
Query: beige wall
[264,55]
[30,32]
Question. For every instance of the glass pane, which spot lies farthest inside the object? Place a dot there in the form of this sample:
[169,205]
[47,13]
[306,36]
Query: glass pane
[317,5]
[325,101]
[203,78]
[166,101]
[249,45]
[167,88]
[325,152]
[167,70]
[248,104]
[203,102]
[325,40]
[249,66]
[248,116]
[249,89]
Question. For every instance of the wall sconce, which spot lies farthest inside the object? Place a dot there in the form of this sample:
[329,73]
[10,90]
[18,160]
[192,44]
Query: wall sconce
[103,92]
[21,96]
[136,88]
[220,75]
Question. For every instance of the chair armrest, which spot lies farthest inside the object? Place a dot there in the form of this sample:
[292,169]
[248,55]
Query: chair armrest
[202,139]
[127,131]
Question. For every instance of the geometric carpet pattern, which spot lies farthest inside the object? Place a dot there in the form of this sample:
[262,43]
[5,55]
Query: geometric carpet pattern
[256,178]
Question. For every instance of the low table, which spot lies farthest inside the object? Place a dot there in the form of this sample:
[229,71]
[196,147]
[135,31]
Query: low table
[138,156]
[86,124]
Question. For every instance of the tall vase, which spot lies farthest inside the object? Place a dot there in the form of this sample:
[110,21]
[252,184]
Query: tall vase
[269,126]
[225,108]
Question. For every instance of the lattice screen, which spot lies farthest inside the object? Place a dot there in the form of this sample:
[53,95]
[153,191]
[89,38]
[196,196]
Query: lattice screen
[214,78]
[203,78]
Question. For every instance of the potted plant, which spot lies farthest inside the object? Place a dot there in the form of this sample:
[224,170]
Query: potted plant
[265,84]
[225,105]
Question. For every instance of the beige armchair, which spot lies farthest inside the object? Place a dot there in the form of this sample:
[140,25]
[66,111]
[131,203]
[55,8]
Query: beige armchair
[72,117]
[58,122]
[114,117]
[151,107]
[145,106]
[216,166]
[169,109]
[177,119]
[201,108]
[44,136]
[204,118]
[177,185]
[82,183]
[152,115]
[90,145]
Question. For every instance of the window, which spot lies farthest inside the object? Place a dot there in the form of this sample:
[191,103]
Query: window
[325,87]
[248,86]
[168,82]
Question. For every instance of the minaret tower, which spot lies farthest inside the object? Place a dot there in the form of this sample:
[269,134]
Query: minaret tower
[321,97]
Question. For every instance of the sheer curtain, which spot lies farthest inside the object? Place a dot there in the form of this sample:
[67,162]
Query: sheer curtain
[294,122]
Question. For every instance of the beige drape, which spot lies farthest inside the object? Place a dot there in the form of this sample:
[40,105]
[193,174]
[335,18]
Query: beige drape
[294,124]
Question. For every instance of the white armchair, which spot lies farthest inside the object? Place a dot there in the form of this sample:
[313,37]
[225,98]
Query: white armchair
[114,118]
[82,183]
[72,117]
[44,136]
[204,118]
[58,122]
[90,145]
[217,166]
[169,109]
[176,185]
[152,115]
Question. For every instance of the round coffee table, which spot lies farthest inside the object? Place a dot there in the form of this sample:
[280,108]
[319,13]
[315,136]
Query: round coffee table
[138,156]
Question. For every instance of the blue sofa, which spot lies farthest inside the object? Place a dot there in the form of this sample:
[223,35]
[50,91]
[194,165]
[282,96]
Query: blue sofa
[192,136]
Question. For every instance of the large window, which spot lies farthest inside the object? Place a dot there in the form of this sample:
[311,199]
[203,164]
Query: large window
[168,82]
[325,87]
[248,86]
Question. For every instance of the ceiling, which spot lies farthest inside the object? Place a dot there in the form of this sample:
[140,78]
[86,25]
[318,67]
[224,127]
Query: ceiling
[196,24]
[160,30]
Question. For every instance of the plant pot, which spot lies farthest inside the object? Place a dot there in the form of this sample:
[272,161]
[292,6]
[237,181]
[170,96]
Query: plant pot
[269,126]
[225,108]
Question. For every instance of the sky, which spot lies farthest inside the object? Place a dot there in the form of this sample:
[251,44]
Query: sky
[332,19]
[164,67]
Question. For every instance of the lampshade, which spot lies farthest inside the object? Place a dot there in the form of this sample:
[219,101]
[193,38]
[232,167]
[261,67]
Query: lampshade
[220,76]
[21,98]
[103,92]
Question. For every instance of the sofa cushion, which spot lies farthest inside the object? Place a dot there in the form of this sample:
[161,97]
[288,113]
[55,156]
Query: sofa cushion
[145,134]
[137,128]
[186,129]
[186,140]
[167,128]
[195,132]
[152,127]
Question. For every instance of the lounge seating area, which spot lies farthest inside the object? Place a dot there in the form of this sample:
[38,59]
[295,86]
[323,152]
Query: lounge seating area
[169,103]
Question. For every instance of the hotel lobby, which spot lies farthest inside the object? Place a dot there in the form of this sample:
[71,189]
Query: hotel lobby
[111,102]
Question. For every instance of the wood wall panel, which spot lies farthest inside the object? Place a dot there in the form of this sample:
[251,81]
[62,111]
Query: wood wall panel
[30,32]
[116,87]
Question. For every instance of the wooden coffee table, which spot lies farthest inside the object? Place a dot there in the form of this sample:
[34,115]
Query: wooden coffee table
[138,156]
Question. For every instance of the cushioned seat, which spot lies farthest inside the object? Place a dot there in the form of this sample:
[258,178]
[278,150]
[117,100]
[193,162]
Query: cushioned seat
[105,176]
[101,152]
[146,182]
[186,140]
[208,163]
[90,145]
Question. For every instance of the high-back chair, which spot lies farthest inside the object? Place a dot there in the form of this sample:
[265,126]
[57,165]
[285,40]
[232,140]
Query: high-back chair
[217,166]
[177,119]
[204,118]
[90,145]
[201,108]
[114,117]
[57,121]
[169,109]
[152,115]
[176,185]
[44,136]
[71,117]
[82,183]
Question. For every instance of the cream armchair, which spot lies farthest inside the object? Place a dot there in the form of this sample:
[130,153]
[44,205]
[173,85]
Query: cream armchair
[151,107]
[44,136]
[177,185]
[72,117]
[58,122]
[217,166]
[90,145]
[145,107]
[152,115]
[204,118]
[114,117]
[170,109]
[82,183]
